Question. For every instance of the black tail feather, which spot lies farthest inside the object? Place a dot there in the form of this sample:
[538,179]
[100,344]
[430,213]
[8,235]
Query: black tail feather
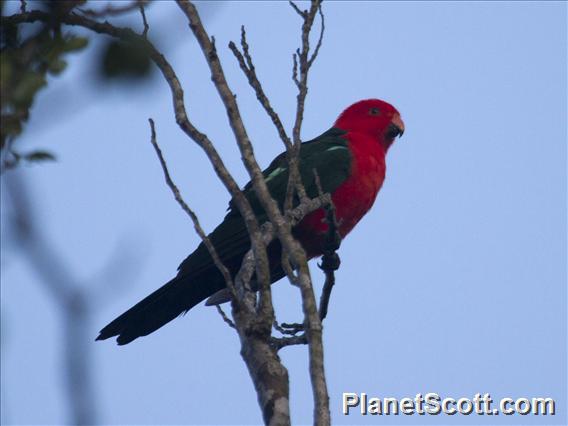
[198,278]
[156,310]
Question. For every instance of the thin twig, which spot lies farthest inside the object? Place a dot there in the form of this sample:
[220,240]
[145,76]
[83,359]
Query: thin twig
[320,40]
[247,66]
[295,69]
[302,13]
[228,320]
[144,21]
[177,195]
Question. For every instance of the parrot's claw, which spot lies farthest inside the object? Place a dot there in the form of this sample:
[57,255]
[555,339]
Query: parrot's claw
[330,262]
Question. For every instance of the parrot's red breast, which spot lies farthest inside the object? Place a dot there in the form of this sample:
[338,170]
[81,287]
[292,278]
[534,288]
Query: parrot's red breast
[371,127]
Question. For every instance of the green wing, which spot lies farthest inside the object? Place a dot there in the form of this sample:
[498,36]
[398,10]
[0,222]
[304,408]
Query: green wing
[328,154]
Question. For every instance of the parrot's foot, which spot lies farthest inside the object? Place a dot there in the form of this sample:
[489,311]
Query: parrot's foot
[330,262]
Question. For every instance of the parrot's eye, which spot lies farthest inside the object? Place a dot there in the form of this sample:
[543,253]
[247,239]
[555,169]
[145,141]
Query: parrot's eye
[374,111]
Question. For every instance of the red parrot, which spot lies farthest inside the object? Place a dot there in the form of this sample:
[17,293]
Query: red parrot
[350,162]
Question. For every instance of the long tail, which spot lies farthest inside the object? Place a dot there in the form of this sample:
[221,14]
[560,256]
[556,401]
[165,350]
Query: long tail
[159,308]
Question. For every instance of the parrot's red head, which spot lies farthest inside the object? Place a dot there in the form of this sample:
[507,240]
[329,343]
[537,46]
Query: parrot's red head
[373,117]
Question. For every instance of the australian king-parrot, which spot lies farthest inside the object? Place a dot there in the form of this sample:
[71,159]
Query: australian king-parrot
[350,161]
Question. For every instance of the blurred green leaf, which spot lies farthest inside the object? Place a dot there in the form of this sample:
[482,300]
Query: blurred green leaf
[26,89]
[37,156]
[57,66]
[11,126]
[75,43]
[25,63]
[125,60]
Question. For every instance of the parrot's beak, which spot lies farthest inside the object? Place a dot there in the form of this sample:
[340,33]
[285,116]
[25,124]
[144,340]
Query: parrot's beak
[396,127]
[397,121]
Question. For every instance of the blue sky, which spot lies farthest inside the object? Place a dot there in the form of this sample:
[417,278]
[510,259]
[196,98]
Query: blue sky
[454,283]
